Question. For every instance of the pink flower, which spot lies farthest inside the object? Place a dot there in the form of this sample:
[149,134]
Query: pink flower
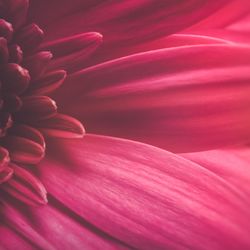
[111,193]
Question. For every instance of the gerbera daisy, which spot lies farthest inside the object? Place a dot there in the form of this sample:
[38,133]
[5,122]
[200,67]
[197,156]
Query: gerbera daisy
[106,192]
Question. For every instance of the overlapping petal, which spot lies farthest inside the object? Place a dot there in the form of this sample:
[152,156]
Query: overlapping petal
[230,13]
[183,99]
[146,197]
[189,95]
[230,163]
[49,227]
[126,22]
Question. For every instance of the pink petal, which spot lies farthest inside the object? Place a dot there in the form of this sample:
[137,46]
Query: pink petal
[183,99]
[61,126]
[68,45]
[12,102]
[15,11]
[4,54]
[225,35]
[37,63]
[28,132]
[6,30]
[228,14]
[23,150]
[15,78]
[12,240]
[16,54]
[144,196]
[36,108]
[242,24]
[232,164]
[48,83]
[126,22]
[70,53]
[26,187]
[29,37]
[174,40]
[4,157]
[52,227]
[5,174]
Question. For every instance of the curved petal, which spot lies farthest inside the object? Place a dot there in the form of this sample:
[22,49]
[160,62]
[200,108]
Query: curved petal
[174,40]
[231,163]
[220,35]
[10,239]
[186,98]
[69,53]
[226,16]
[126,22]
[50,227]
[146,197]
[14,11]
[25,187]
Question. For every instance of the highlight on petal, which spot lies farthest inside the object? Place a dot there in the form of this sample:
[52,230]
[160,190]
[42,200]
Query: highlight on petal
[68,45]
[25,187]
[15,54]
[36,108]
[29,37]
[61,126]
[6,29]
[4,157]
[185,98]
[231,37]
[175,40]
[71,52]
[146,197]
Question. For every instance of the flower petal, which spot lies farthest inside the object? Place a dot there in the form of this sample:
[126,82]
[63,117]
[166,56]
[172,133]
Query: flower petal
[15,78]
[122,22]
[36,108]
[28,132]
[5,174]
[231,163]
[70,53]
[48,83]
[186,98]
[6,30]
[53,227]
[4,54]
[228,14]
[10,239]
[146,197]
[4,157]
[29,37]
[14,11]
[25,187]
[174,40]
[37,63]
[23,150]
[61,126]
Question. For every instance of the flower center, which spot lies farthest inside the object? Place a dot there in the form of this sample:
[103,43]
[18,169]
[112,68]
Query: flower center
[27,114]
